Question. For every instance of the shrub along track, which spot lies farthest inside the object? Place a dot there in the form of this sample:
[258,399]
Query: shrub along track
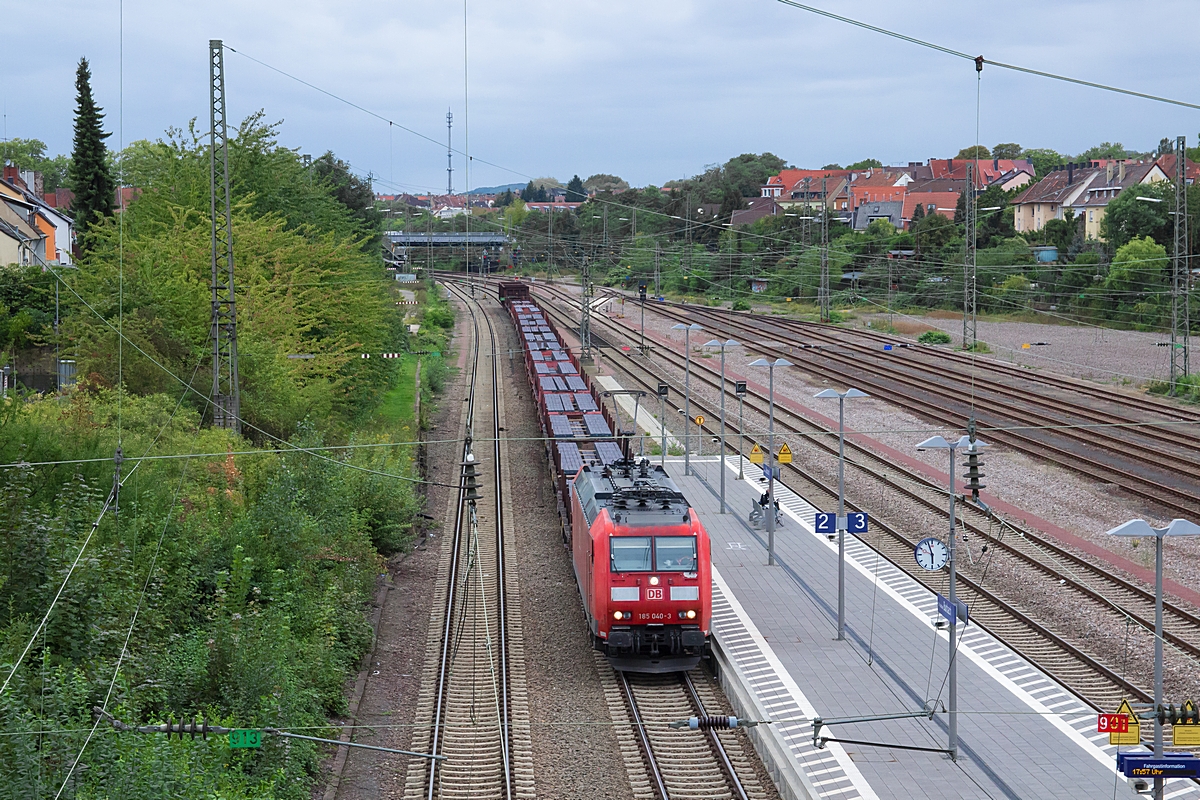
[1098,683]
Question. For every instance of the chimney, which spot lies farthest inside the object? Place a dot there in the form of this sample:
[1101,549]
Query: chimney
[996,164]
[1121,171]
[12,173]
[1108,172]
[1070,172]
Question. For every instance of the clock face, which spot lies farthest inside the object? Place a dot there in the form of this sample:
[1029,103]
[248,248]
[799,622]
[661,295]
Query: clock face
[931,554]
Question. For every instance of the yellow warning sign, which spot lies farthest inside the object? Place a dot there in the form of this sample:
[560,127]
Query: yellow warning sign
[1186,733]
[699,419]
[1134,734]
[785,454]
[756,455]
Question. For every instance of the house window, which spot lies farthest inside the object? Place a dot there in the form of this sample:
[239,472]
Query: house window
[1091,216]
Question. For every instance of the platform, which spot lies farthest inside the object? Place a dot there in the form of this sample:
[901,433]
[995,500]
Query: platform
[1021,733]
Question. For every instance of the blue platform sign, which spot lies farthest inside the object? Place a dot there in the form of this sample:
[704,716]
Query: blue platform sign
[856,522]
[1140,765]
[825,523]
[767,472]
[946,609]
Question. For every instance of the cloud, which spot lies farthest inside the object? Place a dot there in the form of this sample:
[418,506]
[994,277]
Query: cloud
[647,90]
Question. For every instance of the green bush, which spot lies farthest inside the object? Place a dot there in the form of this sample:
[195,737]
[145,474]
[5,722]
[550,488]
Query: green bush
[741,305]
[254,615]
[934,337]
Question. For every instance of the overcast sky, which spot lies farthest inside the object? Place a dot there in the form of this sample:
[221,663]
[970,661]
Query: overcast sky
[649,90]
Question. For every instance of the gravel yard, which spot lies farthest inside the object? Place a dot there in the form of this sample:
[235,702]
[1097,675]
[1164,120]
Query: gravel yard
[1122,358]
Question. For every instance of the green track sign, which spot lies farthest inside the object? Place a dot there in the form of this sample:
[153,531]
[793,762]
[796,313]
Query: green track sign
[245,737]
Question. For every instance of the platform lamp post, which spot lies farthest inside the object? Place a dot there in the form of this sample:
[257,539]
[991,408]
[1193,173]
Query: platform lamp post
[769,460]
[940,443]
[723,345]
[1140,529]
[687,390]
[841,512]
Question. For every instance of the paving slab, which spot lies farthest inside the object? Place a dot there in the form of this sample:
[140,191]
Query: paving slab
[1021,733]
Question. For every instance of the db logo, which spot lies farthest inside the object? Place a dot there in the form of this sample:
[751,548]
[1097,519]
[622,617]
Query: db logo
[654,594]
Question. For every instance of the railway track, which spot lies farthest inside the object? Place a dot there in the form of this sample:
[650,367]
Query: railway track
[1097,682]
[473,708]
[673,764]
[1157,464]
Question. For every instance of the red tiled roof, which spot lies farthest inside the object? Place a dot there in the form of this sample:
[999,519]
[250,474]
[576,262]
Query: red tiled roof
[990,170]
[943,203]
[788,178]
[1191,170]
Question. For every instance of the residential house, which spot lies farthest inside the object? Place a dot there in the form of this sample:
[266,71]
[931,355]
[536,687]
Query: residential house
[1050,197]
[1191,170]
[1007,173]
[1109,183]
[803,187]
[931,203]
[55,225]
[557,205]
[756,208]
[866,213]
[878,187]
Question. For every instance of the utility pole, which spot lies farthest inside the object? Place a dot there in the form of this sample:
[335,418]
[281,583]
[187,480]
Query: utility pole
[449,153]
[823,291]
[972,214]
[227,412]
[657,253]
[1182,284]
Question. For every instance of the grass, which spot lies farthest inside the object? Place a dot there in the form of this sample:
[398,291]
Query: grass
[396,406]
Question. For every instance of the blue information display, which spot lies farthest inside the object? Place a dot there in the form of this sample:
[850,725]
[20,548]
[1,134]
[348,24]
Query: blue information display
[946,609]
[856,522]
[1147,766]
[767,472]
[825,523]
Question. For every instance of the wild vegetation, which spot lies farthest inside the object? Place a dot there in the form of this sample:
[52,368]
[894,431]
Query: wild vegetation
[228,579]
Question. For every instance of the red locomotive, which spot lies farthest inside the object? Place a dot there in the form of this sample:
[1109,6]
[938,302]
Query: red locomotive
[641,557]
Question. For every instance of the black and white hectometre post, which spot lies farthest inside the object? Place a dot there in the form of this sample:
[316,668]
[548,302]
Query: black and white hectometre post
[933,557]
[841,512]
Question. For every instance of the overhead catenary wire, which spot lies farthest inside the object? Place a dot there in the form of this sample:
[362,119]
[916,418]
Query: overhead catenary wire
[1000,64]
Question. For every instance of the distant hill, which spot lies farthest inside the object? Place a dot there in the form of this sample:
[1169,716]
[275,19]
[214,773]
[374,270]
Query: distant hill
[497,189]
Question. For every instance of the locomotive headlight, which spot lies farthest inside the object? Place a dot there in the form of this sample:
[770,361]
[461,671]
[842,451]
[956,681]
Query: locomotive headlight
[654,580]
[691,615]
[618,615]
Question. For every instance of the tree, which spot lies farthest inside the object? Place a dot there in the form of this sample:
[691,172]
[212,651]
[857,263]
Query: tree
[1008,150]
[603,182]
[866,163]
[353,192]
[994,226]
[1104,150]
[748,172]
[506,199]
[1139,267]
[832,166]
[934,231]
[1043,159]
[918,215]
[974,151]
[575,191]
[533,194]
[30,154]
[1128,218]
[90,175]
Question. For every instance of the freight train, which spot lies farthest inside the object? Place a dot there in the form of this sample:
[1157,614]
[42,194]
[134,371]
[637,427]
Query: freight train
[641,557]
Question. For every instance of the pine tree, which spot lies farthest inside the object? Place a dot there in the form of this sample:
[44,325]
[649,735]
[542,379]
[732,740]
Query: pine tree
[90,176]
[575,191]
[918,215]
